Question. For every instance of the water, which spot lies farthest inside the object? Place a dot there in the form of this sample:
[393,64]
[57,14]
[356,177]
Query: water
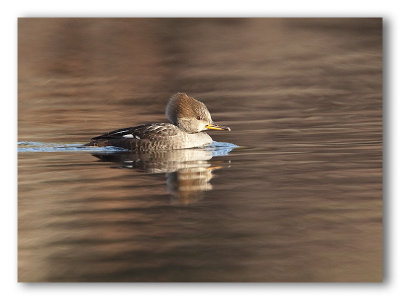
[299,199]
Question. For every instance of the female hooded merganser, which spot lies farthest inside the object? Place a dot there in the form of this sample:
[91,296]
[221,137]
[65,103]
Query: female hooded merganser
[189,117]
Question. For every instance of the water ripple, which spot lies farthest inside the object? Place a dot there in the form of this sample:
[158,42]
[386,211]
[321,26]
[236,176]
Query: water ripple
[52,147]
[216,148]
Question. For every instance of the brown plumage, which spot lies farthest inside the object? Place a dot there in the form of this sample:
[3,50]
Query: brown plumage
[189,117]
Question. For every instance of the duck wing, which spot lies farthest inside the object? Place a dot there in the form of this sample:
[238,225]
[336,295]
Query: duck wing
[140,132]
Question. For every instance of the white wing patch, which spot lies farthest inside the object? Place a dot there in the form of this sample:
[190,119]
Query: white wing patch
[131,136]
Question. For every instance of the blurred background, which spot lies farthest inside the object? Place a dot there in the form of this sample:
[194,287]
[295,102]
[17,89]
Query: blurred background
[299,200]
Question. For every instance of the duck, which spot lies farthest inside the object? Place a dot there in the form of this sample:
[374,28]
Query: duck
[189,119]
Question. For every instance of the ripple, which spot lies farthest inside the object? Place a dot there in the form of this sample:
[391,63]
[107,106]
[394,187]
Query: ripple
[216,148]
[51,147]
[220,148]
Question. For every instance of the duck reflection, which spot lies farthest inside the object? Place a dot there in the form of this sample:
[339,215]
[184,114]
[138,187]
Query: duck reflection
[188,171]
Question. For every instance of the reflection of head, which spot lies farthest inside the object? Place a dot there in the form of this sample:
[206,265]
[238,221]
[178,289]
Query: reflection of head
[186,185]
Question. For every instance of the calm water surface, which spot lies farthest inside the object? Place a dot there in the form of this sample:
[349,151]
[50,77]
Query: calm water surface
[300,199]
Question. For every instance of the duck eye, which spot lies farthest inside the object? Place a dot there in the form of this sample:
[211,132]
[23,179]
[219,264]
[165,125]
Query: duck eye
[198,117]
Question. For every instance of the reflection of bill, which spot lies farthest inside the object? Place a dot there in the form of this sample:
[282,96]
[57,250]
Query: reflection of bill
[188,171]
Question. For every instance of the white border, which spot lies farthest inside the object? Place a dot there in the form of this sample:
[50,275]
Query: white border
[8,61]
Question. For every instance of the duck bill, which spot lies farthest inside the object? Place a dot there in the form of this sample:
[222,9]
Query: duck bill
[217,127]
